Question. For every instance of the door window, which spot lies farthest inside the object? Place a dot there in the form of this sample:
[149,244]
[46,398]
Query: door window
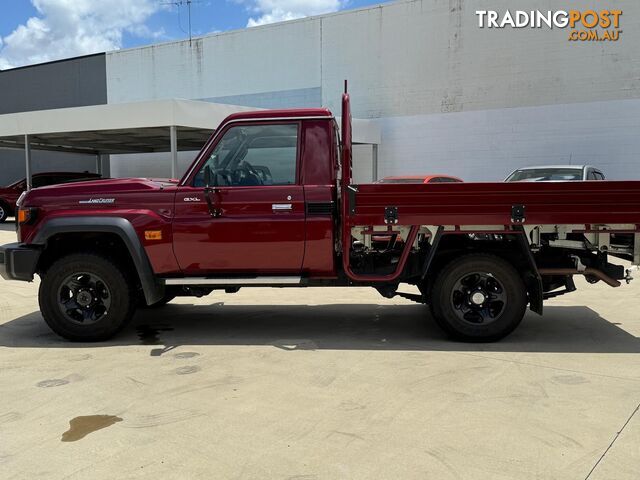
[251,155]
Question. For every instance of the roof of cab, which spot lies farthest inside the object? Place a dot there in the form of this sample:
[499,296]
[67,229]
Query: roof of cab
[287,113]
[538,167]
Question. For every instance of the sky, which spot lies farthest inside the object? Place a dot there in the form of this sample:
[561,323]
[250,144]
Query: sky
[36,31]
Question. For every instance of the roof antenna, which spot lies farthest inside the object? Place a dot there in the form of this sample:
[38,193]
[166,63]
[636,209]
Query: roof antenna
[181,3]
[345,85]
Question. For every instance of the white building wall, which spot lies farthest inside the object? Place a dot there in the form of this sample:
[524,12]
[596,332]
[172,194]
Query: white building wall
[450,97]
[274,61]
[362,164]
[486,145]
[429,56]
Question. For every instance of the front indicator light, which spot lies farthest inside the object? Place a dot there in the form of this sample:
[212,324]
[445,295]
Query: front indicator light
[153,235]
[26,215]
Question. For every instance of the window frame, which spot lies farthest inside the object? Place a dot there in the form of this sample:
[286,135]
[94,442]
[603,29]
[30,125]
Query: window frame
[220,136]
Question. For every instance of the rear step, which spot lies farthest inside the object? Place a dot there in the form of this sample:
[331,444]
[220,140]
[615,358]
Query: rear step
[414,297]
[389,291]
[256,281]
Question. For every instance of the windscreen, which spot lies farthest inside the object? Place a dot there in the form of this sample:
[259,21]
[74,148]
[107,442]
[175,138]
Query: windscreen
[546,175]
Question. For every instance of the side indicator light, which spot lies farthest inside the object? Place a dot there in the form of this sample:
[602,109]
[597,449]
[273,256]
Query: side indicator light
[153,234]
[25,215]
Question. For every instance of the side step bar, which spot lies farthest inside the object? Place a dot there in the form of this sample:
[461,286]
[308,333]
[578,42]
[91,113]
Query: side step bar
[270,281]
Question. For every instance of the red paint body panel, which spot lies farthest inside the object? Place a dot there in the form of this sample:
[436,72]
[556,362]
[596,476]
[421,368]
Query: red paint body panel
[318,153]
[490,203]
[247,238]
[319,172]
[147,204]
[320,231]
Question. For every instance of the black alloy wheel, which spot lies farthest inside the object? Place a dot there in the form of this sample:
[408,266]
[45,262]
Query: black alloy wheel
[87,297]
[478,298]
[84,298]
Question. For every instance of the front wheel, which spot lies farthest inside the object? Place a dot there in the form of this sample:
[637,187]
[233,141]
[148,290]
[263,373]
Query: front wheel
[86,297]
[478,298]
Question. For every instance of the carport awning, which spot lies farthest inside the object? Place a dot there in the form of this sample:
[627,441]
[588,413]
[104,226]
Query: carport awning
[131,140]
[139,127]
[136,127]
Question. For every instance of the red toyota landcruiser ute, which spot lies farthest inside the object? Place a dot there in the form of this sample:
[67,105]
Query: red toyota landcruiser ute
[269,202]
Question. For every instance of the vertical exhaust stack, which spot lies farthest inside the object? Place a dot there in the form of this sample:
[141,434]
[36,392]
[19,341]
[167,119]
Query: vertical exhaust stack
[346,139]
[347,192]
[345,180]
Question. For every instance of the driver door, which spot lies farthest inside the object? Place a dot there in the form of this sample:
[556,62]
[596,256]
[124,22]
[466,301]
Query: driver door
[260,228]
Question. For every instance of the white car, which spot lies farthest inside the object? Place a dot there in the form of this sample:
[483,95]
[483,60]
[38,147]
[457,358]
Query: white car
[555,173]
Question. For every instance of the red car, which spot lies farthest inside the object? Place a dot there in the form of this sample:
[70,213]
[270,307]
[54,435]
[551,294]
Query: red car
[437,178]
[10,194]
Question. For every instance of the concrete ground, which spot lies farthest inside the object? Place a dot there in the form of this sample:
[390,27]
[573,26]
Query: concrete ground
[322,384]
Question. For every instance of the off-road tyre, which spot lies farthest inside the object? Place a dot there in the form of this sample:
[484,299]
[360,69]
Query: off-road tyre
[113,287]
[464,282]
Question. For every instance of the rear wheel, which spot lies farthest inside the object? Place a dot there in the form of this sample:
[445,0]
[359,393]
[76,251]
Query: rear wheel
[86,297]
[478,298]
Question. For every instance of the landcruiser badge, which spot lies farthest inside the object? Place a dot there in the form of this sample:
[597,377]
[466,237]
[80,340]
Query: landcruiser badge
[98,200]
[191,199]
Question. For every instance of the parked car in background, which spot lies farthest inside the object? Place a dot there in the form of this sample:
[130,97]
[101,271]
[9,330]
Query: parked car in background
[9,194]
[421,179]
[555,173]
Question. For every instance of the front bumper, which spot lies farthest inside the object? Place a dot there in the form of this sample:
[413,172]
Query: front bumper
[18,261]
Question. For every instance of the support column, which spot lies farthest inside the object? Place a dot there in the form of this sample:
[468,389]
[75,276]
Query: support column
[105,165]
[27,160]
[98,164]
[173,133]
[374,163]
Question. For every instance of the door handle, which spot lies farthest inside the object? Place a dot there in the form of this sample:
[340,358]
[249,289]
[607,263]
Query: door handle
[281,207]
